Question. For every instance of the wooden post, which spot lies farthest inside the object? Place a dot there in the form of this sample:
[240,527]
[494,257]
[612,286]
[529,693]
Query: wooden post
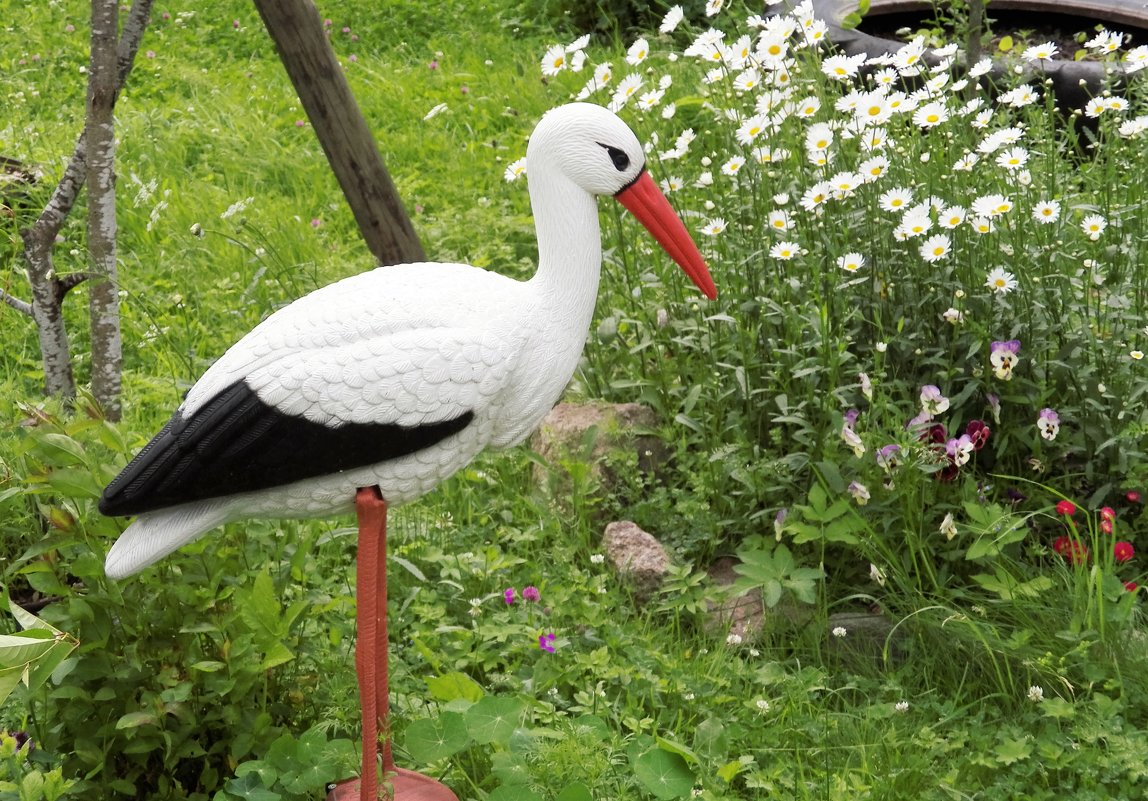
[297,30]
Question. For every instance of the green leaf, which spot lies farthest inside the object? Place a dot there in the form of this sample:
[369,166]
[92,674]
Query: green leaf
[493,719]
[24,647]
[710,738]
[74,482]
[1011,751]
[509,768]
[451,686]
[664,774]
[408,566]
[61,449]
[134,720]
[575,792]
[1056,707]
[677,748]
[208,666]
[514,792]
[9,679]
[431,739]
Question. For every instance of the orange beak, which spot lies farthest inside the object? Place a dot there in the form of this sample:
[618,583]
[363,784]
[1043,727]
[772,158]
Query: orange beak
[649,206]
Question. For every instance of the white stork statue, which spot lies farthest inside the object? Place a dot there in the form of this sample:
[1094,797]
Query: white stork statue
[386,383]
[397,377]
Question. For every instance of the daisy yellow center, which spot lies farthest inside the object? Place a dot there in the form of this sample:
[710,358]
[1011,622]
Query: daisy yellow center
[933,118]
[874,111]
[774,50]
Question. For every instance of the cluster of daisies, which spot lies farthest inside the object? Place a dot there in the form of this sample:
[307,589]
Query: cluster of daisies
[761,90]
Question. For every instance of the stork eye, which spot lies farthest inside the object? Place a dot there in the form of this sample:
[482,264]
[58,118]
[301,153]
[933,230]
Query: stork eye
[619,157]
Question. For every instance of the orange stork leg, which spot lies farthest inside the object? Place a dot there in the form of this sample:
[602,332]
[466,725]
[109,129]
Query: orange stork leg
[371,666]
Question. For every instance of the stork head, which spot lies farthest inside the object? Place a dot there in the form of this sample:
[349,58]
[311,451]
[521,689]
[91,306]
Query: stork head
[592,147]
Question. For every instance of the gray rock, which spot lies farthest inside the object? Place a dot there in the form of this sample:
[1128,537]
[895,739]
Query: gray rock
[636,555]
[621,427]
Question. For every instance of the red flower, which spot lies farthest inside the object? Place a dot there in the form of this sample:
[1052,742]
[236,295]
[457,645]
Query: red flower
[1133,497]
[935,434]
[978,432]
[1073,552]
[1106,526]
[1107,513]
[1066,508]
[1077,554]
[1123,551]
[1131,586]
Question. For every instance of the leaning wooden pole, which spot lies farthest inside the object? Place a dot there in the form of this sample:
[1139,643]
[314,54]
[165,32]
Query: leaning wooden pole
[297,30]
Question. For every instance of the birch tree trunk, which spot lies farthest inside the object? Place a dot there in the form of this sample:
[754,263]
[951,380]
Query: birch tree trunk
[49,289]
[100,139]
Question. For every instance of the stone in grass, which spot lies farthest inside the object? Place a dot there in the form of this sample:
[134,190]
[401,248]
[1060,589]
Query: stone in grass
[636,555]
[746,615]
[621,428]
[857,637]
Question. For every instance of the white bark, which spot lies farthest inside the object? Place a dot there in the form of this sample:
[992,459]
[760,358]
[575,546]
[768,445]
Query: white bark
[48,290]
[100,143]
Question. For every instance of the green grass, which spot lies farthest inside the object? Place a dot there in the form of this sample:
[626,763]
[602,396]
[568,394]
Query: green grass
[227,671]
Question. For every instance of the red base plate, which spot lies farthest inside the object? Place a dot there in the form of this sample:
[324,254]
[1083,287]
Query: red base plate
[407,785]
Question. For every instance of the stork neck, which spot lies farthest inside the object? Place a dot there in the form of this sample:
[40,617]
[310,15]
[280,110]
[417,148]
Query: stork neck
[569,248]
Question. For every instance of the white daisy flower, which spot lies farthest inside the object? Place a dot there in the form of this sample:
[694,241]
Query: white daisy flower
[873,168]
[896,199]
[714,226]
[1046,211]
[672,19]
[991,206]
[1133,127]
[638,52]
[815,195]
[1000,281]
[936,248]
[733,166]
[751,129]
[1094,226]
[1136,59]
[1039,52]
[785,250]
[515,170]
[950,217]
[1094,107]
[966,162]
[1013,159]
[1105,41]
[650,100]
[851,262]
[982,67]
[554,61]
[931,115]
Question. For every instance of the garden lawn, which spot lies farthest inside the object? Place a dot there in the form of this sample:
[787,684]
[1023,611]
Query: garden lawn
[929,339]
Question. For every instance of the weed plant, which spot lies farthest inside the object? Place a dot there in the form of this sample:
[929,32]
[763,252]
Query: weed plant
[925,346]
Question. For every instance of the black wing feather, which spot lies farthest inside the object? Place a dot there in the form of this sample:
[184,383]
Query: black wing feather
[236,443]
